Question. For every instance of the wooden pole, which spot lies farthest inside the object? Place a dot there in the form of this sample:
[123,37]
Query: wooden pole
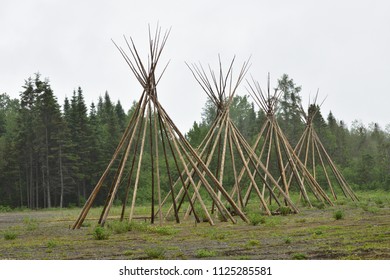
[138,168]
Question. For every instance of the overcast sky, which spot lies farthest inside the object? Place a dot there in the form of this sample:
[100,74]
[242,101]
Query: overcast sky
[341,48]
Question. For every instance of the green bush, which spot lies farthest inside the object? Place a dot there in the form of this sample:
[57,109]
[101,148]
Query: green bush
[100,233]
[338,215]
[5,209]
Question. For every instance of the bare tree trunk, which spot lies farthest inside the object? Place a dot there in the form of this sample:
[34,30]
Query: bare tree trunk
[44,188]
[47,169]
[31,182]
[61,180]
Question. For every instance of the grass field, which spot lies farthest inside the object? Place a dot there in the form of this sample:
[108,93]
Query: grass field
[349,230]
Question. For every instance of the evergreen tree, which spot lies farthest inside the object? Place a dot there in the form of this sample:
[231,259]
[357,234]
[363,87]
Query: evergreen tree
[288,110]
[25,143]
[10,185]
[121,116]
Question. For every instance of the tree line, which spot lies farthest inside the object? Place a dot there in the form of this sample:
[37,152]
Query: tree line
[52,155]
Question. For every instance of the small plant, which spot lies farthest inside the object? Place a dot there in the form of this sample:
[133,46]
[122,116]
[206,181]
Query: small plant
[10,235]
[256,219]
[284,210]
[204,253]
[155,253]
[5,209]
[287,240]
[379,202]
[299,256]
[128,253]
[31,224]
[216,235]
[253,243]
[338,215]
[100,233]
[119,227]
[318,232]
[164,230]
[86,224]
[51,244]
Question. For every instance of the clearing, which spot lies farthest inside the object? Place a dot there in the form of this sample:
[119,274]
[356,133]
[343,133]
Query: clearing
[362,232]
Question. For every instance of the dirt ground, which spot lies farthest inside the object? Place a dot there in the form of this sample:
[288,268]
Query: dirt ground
[362,233]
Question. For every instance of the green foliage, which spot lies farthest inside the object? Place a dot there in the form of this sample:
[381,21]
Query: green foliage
[253,243]
[101,233]
[164,230]
[119,227]
[204,253]
[5,209]
[256,219]
[287,240]
[338,215]
[9,235]
[284,210]
[51,244]
[53,157]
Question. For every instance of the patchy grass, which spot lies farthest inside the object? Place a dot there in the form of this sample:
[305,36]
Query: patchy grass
[312,234]
[10,235]
[204,253]
[299,256]
[256,219]
[155,253]
[30,223]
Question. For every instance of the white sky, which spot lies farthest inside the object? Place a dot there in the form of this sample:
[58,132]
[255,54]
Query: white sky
[340,47]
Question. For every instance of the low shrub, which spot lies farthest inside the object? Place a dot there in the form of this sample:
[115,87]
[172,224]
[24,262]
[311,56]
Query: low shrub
[100,233]
[5,209]
[338,215]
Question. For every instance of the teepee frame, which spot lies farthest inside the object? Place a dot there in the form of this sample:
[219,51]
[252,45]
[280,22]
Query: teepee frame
[151,125]
[271,141]
[312,153]
[224,140]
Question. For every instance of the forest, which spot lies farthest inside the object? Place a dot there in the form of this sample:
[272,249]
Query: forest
[52,155]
